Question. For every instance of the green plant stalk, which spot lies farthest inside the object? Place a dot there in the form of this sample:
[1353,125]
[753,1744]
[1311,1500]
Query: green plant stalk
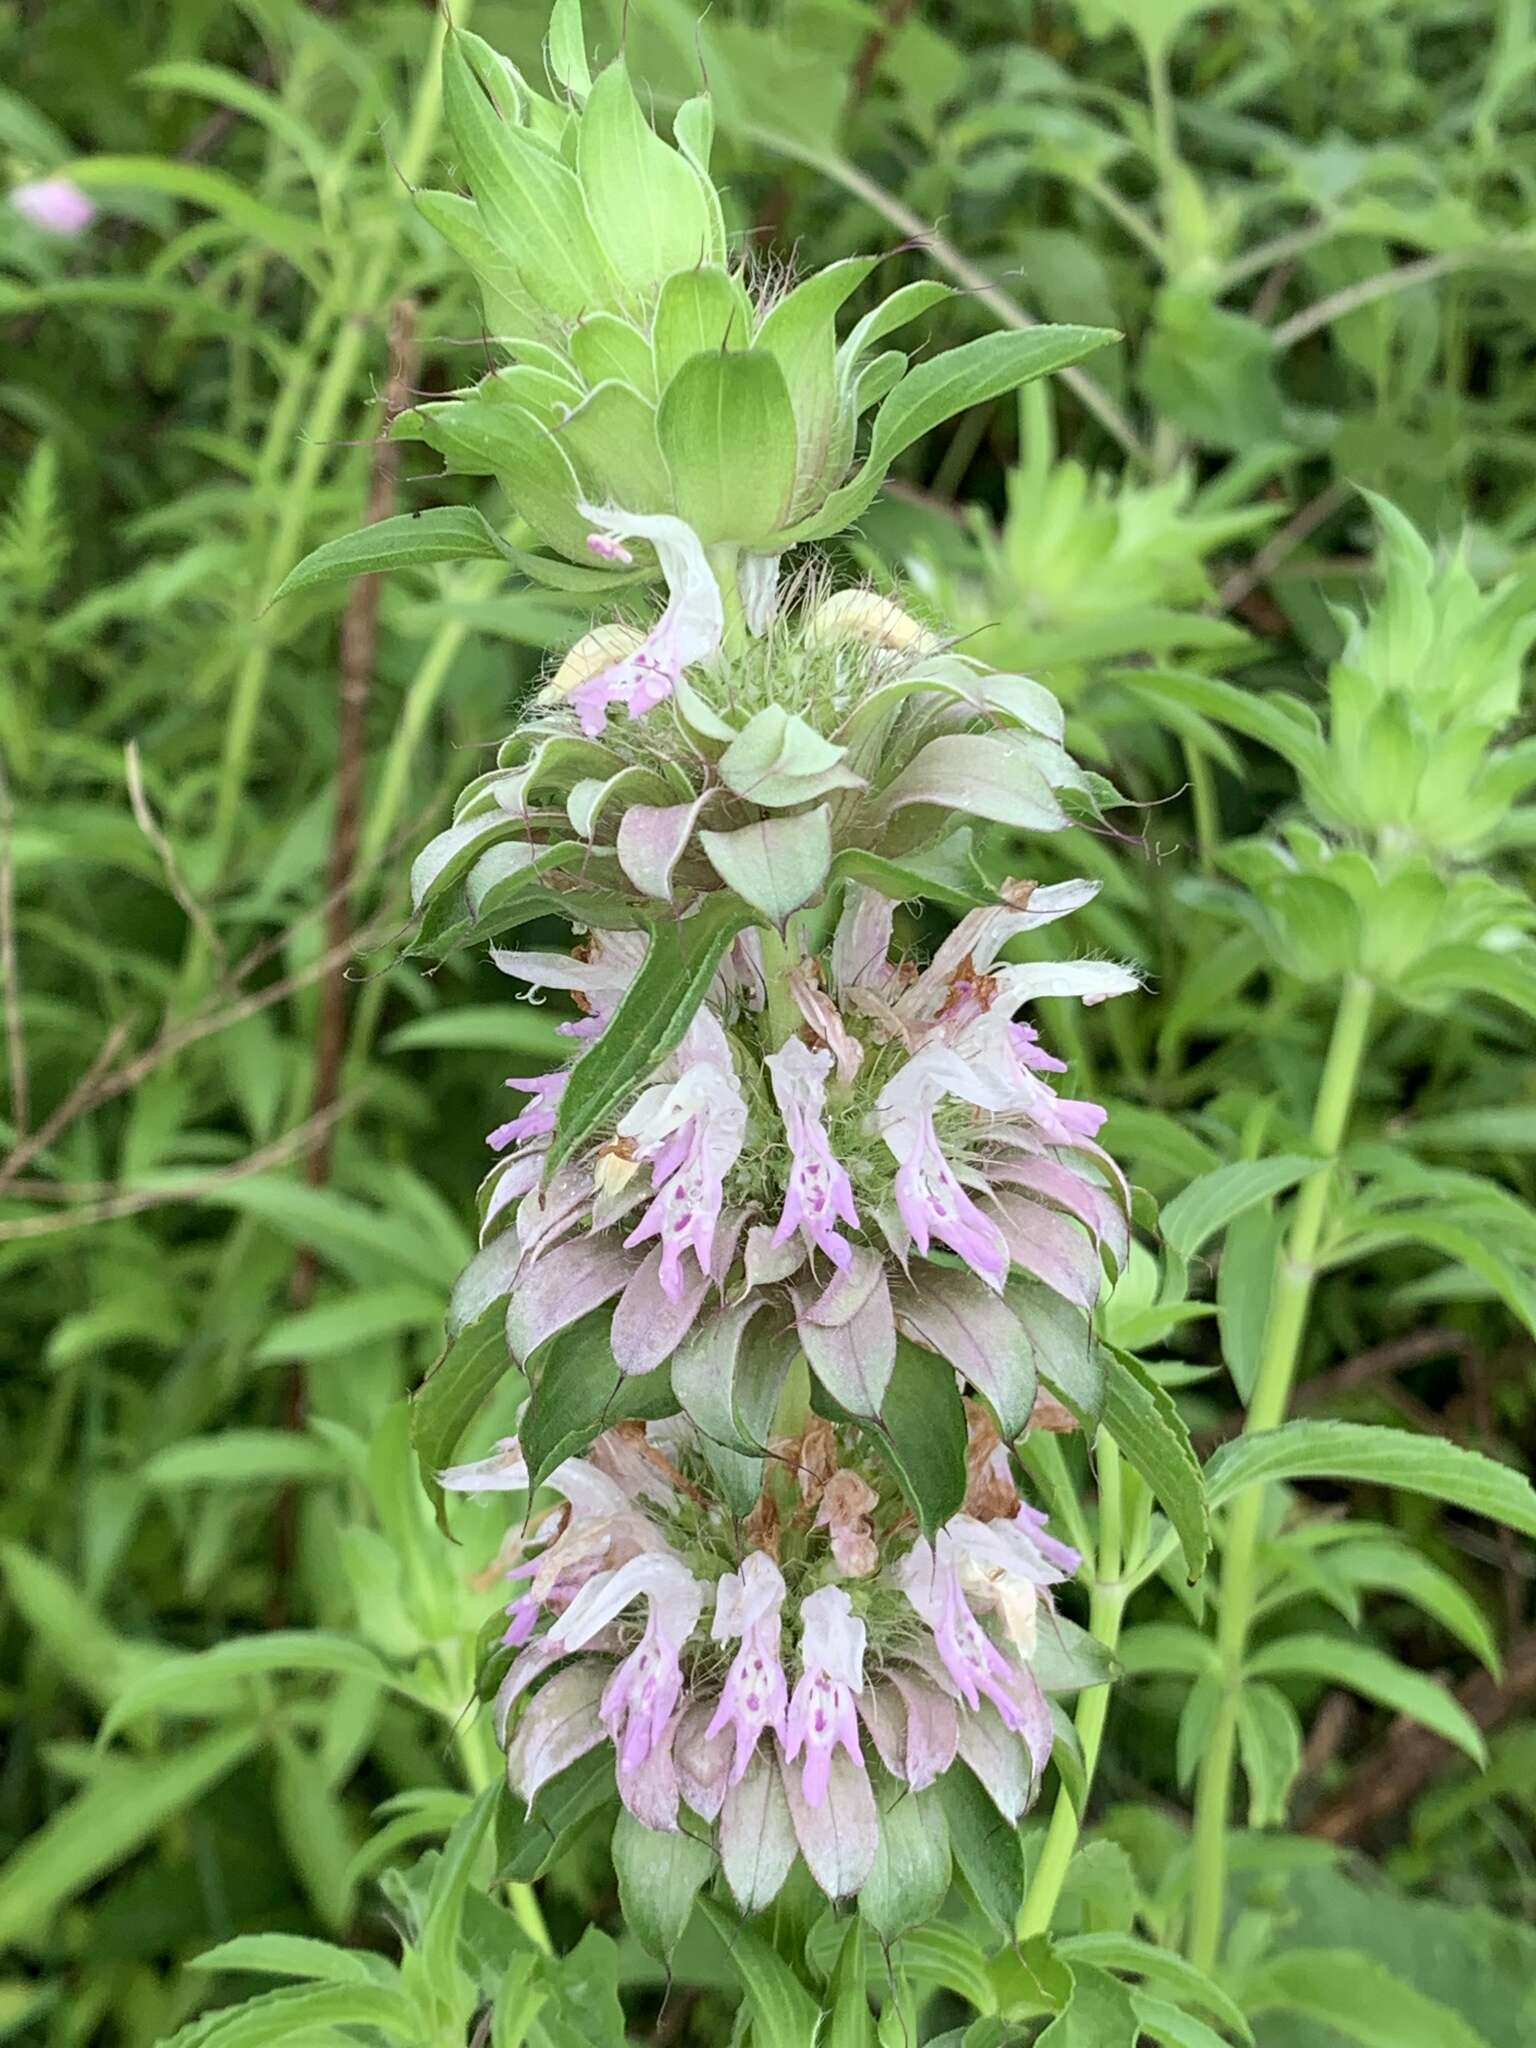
[1106,1609]
[780,1007]
[325,412]
[480,1761]
[1290,1300]
[1202,795]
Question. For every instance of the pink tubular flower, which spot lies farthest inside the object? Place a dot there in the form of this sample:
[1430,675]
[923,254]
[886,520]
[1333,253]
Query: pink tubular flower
[639,1699]
[756,1692]
[1031,1524]
[819,1195]
[929,1196]
[688,631]
[930,1576]
[690,1131]
[538,1119]
[56,205]
[822,1712]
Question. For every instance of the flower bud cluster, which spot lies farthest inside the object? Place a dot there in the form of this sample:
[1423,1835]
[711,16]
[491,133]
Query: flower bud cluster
[1426,683]
[763,1671]
[644,361]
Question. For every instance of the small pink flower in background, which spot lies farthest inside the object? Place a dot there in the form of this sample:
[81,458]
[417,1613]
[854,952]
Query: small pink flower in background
[756,1692]
[822,1712]
[55,205]
[688,631]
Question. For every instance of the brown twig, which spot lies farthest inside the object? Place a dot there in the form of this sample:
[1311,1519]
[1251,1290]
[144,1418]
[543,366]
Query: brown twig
[134,1201]
[1363,1370]
[149,825]
[10,972]
[359,644]
[867,63]
[1411,1758]
[73,1105]
[1312,515]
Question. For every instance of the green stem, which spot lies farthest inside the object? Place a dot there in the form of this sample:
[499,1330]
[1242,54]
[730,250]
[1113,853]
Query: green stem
[1285,1327]
[480,1761]
[724,560]
[1104,1616]
[1037,437]
[1202,794]
[335,388]
[780,1009]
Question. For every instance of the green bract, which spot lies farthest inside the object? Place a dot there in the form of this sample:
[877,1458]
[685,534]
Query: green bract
[787,765]
[647,368]
[1330,911]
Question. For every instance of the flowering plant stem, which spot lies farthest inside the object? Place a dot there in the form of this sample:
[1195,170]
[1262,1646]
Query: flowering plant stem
[1112,1568]
[1290,1299]
[351,309]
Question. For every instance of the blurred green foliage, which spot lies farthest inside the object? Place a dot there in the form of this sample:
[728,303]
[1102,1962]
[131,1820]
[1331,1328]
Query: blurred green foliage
[240,1133]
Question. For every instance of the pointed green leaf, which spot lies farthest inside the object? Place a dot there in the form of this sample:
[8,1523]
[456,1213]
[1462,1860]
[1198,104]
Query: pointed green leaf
[727,432]
[655,1011]
[1377,1677]
[1378,1456]
[531,202]
[643,198]
[1144,1422]
[659,1879]
[777,864]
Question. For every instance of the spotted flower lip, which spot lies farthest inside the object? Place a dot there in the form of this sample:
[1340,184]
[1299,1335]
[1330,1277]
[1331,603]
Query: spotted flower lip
[746,1667]
[688,631]
[901,1166]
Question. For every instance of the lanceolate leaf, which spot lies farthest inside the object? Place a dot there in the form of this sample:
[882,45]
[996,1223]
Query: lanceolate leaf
[443,533]
[579,1391]
[453,1393]
[1144,1422]
[126,1803]
[909,1880]
[1384,1457]
[1209,1204]
[1354,1995]
[1379,1677]
[659,1878]
[936,390]
[922,1432]
[783,2015]
[656,1010]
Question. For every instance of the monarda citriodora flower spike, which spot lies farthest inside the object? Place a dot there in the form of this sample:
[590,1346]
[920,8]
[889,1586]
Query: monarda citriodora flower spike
[784,1675]
[898,1163]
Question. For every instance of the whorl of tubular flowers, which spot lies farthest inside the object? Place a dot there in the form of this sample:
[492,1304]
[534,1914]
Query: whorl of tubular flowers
[901,1167]
[758,1671]
[659,765]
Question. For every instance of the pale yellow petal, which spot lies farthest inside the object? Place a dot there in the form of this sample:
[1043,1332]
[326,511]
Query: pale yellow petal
[593,652]
[867,617]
